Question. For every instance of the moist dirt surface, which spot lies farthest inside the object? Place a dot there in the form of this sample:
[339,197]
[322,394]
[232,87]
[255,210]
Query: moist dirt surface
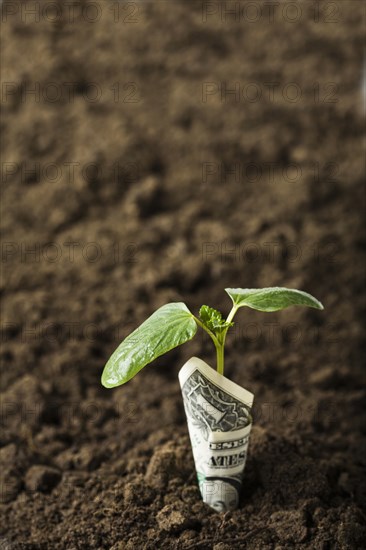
[161,152]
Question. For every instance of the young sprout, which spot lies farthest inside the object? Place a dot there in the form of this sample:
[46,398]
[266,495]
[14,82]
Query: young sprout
[173,324]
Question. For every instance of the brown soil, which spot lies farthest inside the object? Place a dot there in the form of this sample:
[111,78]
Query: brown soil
[86,467]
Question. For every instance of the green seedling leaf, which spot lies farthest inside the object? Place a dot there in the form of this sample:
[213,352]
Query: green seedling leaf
[271,299]
[213,319]
[169,327]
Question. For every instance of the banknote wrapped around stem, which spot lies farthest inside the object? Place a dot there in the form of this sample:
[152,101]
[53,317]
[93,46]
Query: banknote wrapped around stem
[219,424]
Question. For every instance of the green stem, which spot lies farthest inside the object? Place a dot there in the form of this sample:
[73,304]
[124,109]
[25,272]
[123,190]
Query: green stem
[230,317]
[219,342]
[220,349]
[220,359]
[209,332]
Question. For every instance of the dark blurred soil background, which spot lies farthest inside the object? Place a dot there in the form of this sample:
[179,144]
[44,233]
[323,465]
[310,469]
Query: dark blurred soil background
[162,151]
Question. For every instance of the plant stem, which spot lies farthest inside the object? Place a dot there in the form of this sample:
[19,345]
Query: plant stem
[220,359]
[219,341]
[220,348]
[230,317]
[209,332]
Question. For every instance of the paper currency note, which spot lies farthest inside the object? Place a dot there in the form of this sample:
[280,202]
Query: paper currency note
[219,423]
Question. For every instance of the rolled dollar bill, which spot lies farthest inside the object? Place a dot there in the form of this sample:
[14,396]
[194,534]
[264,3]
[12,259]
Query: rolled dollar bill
[219,424]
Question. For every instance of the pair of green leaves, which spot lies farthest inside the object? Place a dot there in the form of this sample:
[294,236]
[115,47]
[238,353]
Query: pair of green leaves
[173,325]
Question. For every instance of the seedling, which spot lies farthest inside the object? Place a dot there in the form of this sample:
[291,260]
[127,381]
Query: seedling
[173,325]
[217,409]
